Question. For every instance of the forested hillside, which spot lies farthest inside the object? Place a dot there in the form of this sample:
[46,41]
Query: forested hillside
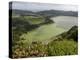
[36,35]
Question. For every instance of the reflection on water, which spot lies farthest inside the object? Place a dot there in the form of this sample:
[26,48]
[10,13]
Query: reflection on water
[65,22]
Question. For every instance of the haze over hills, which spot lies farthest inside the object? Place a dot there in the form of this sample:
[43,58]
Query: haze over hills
[44,9]
[46,13]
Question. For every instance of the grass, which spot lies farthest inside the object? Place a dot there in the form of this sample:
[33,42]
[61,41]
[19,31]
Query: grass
[33,43]
[43,33]
[34,20]
[64,47]
[30,19]
[54,48]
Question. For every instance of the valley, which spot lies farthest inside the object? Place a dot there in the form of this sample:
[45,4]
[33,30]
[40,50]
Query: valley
[37,34]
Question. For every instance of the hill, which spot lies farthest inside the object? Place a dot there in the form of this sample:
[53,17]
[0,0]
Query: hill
[57,13]
[70,34]
[51,13]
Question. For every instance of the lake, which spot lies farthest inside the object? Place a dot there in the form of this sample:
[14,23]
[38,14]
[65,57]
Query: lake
[47,31]
[65,22]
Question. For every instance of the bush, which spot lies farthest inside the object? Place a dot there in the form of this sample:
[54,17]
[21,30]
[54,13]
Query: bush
[33,50]
[65,47]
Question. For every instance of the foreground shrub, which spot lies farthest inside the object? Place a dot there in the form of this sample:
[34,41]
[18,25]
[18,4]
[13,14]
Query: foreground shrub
[33,50]
[37,49]
[64,47]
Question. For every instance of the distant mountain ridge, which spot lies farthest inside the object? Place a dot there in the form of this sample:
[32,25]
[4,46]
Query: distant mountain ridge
[46,13]
[58,13]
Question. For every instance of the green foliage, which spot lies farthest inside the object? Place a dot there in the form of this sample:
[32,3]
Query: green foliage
[30,42]
[64,47]
[71,34]
[34,50]
[37,49]
[43,33]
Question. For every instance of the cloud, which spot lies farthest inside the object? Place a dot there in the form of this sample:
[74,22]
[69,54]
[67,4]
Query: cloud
[42,6]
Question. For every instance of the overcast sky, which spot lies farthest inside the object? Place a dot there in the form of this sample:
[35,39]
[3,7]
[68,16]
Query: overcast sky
[40,6]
